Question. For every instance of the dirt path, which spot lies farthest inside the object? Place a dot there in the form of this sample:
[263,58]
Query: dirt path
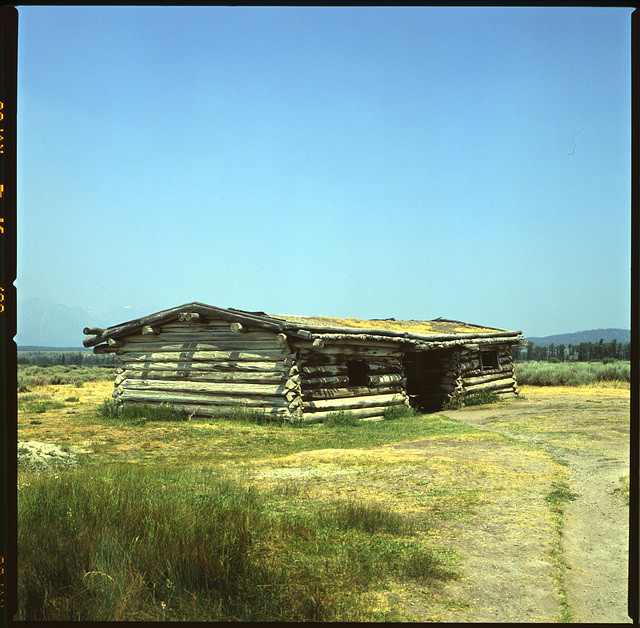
[591,438]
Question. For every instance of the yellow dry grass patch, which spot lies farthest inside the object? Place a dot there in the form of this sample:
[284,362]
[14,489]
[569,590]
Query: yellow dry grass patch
[417,327]
[603,390]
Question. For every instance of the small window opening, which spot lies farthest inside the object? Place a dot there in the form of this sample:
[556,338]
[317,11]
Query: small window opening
[357,373]
[489,360]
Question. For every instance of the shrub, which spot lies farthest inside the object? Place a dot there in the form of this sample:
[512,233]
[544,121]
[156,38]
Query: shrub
[343,418]
[139,414]
[398,412]
[553,361]
[471,399]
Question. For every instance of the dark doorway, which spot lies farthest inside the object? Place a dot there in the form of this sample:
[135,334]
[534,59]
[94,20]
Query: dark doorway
[429,378]
[357,372]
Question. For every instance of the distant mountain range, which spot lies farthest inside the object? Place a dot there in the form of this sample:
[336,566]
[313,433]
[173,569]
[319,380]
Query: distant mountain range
[49,325]
[623,336]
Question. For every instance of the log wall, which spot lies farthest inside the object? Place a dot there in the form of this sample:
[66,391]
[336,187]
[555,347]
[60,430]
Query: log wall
[326,384]
[475,377]
[202,366]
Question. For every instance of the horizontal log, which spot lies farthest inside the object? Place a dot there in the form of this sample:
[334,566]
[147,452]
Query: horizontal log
[347,353]
[349,403]
[198,356]
[329,369]
[360,391]
[208,410]
[340,381]
[381,380]
[355,342]
[92,340]
[360,413]
[399,334]
[188,365]
[202,336]
[506,394]
[209,325]
[102,349]
[201,398]
[495,385]
[273,377]
[228,388]
[213,345]
[149,330]
[238,328]
[471,381]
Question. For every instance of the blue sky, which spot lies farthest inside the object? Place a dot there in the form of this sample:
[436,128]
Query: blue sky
[470,163]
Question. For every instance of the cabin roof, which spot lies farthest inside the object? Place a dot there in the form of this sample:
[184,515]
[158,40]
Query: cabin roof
[420,332]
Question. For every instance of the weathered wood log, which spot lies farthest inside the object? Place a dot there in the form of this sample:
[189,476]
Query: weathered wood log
[281,339]
[198,356]
[196,346]
[91,341]
[324,382]
[354,341]
[319,417]
[150,330]
[495,385]
[102,349]
[350,403]
[392,333]
[360,391]
[209,410]
[189,317]
[114,343]
[187,365]
[471,381]
[381,380]
[211,324]
[93,331]
[228,388]
[238,328]
[318,343]
[202,336]
[201,398]
[243,377]
[348,352]
[328,369]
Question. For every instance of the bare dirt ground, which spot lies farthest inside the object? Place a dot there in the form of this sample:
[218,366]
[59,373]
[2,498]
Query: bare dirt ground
[507,576]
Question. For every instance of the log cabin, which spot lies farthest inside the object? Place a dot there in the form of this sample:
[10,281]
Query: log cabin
[202,359]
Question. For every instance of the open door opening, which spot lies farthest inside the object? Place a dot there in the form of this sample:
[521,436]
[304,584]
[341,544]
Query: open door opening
[429,380]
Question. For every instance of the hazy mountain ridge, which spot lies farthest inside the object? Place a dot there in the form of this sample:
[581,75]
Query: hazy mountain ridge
[45,324]
[575,338]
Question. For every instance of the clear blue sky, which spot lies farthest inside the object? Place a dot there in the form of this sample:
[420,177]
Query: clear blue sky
[402,162]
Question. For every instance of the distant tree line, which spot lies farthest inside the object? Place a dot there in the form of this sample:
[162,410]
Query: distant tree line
[584,352]
[56,358]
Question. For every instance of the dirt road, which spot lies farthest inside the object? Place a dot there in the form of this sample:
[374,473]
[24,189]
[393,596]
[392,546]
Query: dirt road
[589,432]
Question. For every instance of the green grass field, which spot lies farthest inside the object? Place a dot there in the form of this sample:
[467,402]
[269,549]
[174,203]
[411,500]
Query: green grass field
[225,519]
